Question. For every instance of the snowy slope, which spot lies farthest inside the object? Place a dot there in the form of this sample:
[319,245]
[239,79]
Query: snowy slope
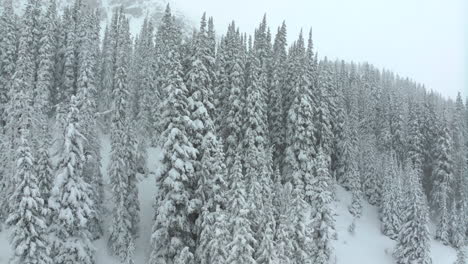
[367,246]
[147,189]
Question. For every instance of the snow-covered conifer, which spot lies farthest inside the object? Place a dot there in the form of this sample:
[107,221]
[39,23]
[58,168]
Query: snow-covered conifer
[172,231]
[29,237]
[87,94]
[8,56]
[414,226]
[390,206]
[241,247]
[443,168]
[70,201]
[322,213]
[122,169]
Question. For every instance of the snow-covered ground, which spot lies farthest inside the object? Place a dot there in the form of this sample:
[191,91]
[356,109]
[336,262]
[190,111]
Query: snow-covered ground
[366,246]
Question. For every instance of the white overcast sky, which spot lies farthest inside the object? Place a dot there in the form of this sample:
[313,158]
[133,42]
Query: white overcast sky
[426,40]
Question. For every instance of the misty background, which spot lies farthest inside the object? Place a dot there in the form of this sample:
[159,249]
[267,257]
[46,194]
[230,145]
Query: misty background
[425,40]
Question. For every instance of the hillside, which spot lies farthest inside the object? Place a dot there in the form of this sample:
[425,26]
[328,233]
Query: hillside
[367,246]
[128,141]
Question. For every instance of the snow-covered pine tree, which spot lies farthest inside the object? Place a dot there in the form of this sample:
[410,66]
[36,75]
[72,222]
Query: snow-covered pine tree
[457,225]
[8,47]
[302,229]
[355,208]
[443,228]
[461,256]
[300,135]
[351,179]
[7,57]
[254,125]
[460,150]
[442,178]
[44,169]
[46,60]
[429,131]
[29,237]
[442,175]
[212,223]
[200,110]
[397,126]
[233,99]
[414,225]
[266,252]
[284,243]
[42,103]
[241,247]
[325,105]
[172,231]
[168,40]
[322,213]
[275,115]
[144,91]
[122,168]
[209,167]
[390,205]
[87,94]
[70,61]
[348,151]
[20,91]
[368,167]
[338,114]
[107,66]
[415,138]
[70,201]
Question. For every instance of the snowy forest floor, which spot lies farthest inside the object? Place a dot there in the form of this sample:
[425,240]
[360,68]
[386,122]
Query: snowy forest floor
[366,246]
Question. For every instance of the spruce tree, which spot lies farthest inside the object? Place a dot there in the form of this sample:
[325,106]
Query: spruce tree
[276,117]
[325,105]
[461,256]
[266,252]
[86,89]
[284,242]
[254,125]
[122,168]
[390,206]
[29,237]
[322,213]
[7,56]
[212,223]
[172,231]
[415,138]
[21,90]
[414,225]
[233,100]
[370,178]
[70,201]
[443,168]
[300,137]
[46,60]
[443,228]
[241,247]
[345,172]
[457,226]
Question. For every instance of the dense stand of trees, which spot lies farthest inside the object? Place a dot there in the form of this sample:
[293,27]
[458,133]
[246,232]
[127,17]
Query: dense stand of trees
[255,134]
